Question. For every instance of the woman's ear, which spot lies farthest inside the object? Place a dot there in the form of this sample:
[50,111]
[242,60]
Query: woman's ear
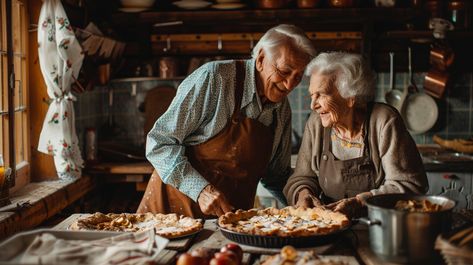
[351,102]
[259,60]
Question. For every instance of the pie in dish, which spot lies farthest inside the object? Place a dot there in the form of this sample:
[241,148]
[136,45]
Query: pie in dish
[290,256]
[166,225]
[286,222]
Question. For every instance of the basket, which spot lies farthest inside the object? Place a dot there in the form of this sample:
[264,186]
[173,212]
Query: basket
[452,254]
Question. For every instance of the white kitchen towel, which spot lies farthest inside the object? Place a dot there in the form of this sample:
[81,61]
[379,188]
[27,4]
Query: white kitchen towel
[131,248]
[60,58]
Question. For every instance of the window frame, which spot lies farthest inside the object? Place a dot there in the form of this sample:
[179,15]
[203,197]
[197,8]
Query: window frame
[14,126]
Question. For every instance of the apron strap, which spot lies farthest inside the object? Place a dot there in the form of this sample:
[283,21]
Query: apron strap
[369,110]
[239,82]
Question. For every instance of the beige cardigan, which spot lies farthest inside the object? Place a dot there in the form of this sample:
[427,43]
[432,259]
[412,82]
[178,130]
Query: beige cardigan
[397,162]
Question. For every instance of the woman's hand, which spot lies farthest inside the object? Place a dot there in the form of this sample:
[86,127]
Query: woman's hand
[213,202]
[306,199]
[352,207]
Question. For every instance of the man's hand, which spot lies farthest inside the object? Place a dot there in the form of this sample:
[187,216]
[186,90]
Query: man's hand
[306,199]
[212,202]
[352,207]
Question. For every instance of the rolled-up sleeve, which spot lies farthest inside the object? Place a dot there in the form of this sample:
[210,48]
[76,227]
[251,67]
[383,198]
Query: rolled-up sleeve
[304,175]
[400,160]
[167,140]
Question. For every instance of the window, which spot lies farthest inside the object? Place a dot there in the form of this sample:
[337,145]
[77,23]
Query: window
[14,140]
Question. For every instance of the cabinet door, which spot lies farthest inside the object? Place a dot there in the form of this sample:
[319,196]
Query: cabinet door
[456,186]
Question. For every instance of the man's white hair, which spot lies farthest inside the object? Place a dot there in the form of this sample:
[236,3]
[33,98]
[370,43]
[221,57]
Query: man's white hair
[350,74]
[284,34]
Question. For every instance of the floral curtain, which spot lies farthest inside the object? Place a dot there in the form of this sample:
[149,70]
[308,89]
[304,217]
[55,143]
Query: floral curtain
[60,57]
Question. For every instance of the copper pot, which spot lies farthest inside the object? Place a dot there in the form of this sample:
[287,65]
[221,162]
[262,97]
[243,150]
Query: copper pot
[436,82]
[307,3]
[441,58]
[342,3]
[272,4]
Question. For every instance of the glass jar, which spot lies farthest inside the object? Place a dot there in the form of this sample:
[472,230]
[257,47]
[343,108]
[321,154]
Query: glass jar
[4,183]
[459,13]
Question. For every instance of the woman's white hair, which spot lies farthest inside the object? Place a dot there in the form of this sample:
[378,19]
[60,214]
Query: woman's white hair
[284,34]
[350,74]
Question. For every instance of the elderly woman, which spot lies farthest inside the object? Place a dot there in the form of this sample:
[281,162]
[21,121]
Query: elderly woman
[228,127]
[352,148]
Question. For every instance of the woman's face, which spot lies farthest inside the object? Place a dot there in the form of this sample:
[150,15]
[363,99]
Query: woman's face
[280,74]
[327,101]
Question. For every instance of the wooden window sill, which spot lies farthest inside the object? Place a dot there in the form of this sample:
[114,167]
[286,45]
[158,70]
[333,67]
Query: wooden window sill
[36,202]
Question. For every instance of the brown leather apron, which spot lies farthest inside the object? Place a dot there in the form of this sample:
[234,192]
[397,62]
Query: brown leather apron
[346,178]
[233,161]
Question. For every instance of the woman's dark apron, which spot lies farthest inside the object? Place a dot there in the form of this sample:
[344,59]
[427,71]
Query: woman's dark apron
[233,161]
[346,178]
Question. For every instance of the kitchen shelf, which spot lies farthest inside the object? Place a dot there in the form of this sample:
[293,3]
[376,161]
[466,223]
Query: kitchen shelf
[262,19]
[425,35]
[145,79]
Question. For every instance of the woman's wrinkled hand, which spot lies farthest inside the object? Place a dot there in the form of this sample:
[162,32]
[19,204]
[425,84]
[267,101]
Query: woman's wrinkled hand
[306,199]
[352,207]
[213,202]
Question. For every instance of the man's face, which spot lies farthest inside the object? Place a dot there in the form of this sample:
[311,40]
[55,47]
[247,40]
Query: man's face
[281,73]
[326,100]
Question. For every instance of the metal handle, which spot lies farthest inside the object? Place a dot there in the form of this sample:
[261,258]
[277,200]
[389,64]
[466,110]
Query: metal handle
[409,53]
[219,43]
[368,222]
[391,70]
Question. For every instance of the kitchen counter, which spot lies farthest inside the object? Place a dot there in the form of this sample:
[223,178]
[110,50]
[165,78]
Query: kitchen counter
[352,247]
[437,159]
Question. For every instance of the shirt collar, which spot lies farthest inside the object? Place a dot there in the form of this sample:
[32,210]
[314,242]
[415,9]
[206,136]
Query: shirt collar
[250,93]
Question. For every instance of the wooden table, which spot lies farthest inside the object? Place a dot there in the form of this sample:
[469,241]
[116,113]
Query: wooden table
[211,237]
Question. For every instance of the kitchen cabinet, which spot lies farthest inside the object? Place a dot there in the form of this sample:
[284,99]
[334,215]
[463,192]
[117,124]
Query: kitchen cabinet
[454,185]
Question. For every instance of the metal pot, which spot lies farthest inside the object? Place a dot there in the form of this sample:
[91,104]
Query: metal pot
[401,236]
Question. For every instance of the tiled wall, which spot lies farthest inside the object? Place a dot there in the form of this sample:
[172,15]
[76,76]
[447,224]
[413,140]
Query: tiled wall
[92,108]
[455,109]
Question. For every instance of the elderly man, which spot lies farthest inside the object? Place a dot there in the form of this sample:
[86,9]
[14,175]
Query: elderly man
[228,127]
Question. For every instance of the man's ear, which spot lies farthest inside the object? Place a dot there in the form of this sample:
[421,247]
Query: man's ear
[259,60]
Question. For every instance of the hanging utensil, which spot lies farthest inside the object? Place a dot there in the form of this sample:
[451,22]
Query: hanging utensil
[420,111]
[393,97]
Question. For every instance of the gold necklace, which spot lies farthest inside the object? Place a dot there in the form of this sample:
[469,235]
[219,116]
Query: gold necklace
[348,143]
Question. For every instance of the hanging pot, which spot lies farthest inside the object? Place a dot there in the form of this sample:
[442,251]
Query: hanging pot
[420,111]
[441,57]
[436,82]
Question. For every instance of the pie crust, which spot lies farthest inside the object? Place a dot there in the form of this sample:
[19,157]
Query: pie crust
[286,222]
[290,256]
[166,225]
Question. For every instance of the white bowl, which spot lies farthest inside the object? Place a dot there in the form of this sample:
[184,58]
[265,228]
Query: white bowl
[137,3]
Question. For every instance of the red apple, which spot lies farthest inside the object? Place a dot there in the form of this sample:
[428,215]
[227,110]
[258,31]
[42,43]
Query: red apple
[224,259]
[235,248]
[205,253]
[188,259]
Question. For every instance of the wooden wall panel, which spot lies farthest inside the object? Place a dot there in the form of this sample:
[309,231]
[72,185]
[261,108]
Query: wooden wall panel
[42,165]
